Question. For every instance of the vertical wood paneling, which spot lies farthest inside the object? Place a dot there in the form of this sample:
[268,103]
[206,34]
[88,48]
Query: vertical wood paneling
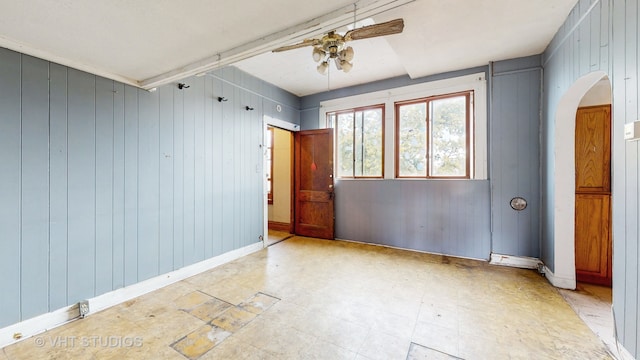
[118,186]
[208,167]
[228,116]
[197,93]
[131,203]
[178,178]
[631,167]
[614,42]
[58,186]
[217,165]
[166,187]
[514,150]
[618,163]
[148,184]
[189,178]
[10,171]
[104,184]
[420,215]
[35,187]
[81,185]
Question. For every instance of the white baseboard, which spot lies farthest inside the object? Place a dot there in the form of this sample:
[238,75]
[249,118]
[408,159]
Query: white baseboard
[515,261]
[623,354]
[39,324]
[560,282]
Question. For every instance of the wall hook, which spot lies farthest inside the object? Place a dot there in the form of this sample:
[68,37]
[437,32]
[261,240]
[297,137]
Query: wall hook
[222,98]
[183,86]
[249,108]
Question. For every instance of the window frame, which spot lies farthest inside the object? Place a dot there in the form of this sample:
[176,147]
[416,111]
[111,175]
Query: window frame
[467,80]
[469,134]
[334,124]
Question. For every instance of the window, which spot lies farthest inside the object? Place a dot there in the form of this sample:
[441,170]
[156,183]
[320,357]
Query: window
[359,138]
[433,137]
[269,165]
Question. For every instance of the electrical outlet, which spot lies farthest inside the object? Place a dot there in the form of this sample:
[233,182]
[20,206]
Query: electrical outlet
[83,307]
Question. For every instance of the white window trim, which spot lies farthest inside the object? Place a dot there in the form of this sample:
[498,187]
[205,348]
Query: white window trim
[475,82]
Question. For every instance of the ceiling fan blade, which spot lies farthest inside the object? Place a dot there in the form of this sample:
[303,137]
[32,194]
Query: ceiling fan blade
[306,42]
[386,28]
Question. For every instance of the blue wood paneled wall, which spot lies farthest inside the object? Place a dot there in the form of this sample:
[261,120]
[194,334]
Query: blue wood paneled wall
[462,218]
[104,185]
[441,216]
[603,35]
[514,149]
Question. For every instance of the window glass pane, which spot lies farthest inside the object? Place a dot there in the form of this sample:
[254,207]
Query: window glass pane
[412,140]
[371,139]
[448,137]
[344,144]
[358,144]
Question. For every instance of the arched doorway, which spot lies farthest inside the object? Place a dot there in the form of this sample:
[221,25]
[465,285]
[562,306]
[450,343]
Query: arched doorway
[564,274]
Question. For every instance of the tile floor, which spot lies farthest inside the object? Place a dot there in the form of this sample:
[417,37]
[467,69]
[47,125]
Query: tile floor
[317,299]
[275,237]
[592,303]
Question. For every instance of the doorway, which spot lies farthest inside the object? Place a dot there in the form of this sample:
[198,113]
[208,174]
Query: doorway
[279,175]
[593,195]
[563,181]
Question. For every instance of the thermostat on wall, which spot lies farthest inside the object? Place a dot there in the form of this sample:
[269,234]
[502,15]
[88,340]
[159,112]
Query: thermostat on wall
[632,131]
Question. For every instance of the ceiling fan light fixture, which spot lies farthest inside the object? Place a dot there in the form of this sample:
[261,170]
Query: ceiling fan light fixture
[346,54]
[322,68]
[318,54]
[338,64]
[346,66]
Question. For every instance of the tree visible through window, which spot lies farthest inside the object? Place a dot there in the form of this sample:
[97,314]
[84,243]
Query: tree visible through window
[433,137]
[359,141]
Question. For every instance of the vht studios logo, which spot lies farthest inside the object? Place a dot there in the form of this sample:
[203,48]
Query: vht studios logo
[89,341]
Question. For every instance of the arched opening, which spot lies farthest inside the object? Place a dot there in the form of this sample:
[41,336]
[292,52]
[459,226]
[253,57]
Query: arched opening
[564,275]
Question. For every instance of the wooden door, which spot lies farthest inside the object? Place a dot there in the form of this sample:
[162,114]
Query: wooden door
[593,195]
[314,183]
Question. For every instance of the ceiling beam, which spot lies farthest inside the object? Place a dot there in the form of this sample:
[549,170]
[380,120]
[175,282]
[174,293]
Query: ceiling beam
[314,27]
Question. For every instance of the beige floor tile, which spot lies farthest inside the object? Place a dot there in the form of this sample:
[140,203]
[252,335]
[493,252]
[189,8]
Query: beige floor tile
[210,309]
[436,337]
[200,341]
[419,352]
[191,300]
[312,299]
[258,303]
[233,319]
[232,348]
[380,346]
[321,350]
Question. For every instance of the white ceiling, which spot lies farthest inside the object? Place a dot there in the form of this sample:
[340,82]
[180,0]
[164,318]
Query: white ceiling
[148,43]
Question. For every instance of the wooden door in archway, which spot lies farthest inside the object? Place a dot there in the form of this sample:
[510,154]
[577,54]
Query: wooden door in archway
[593,195]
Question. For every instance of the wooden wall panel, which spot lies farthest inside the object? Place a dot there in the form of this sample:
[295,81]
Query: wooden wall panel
[131,203]
[149,194]
[35,185]
[612,29]
[104,185]
[10,178]
[81,185]
[432,216]
[166,181]
[118,186]
[58,194]
[515,164]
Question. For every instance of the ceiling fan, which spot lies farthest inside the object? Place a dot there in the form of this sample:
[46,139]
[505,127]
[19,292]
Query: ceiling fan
[332,45]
